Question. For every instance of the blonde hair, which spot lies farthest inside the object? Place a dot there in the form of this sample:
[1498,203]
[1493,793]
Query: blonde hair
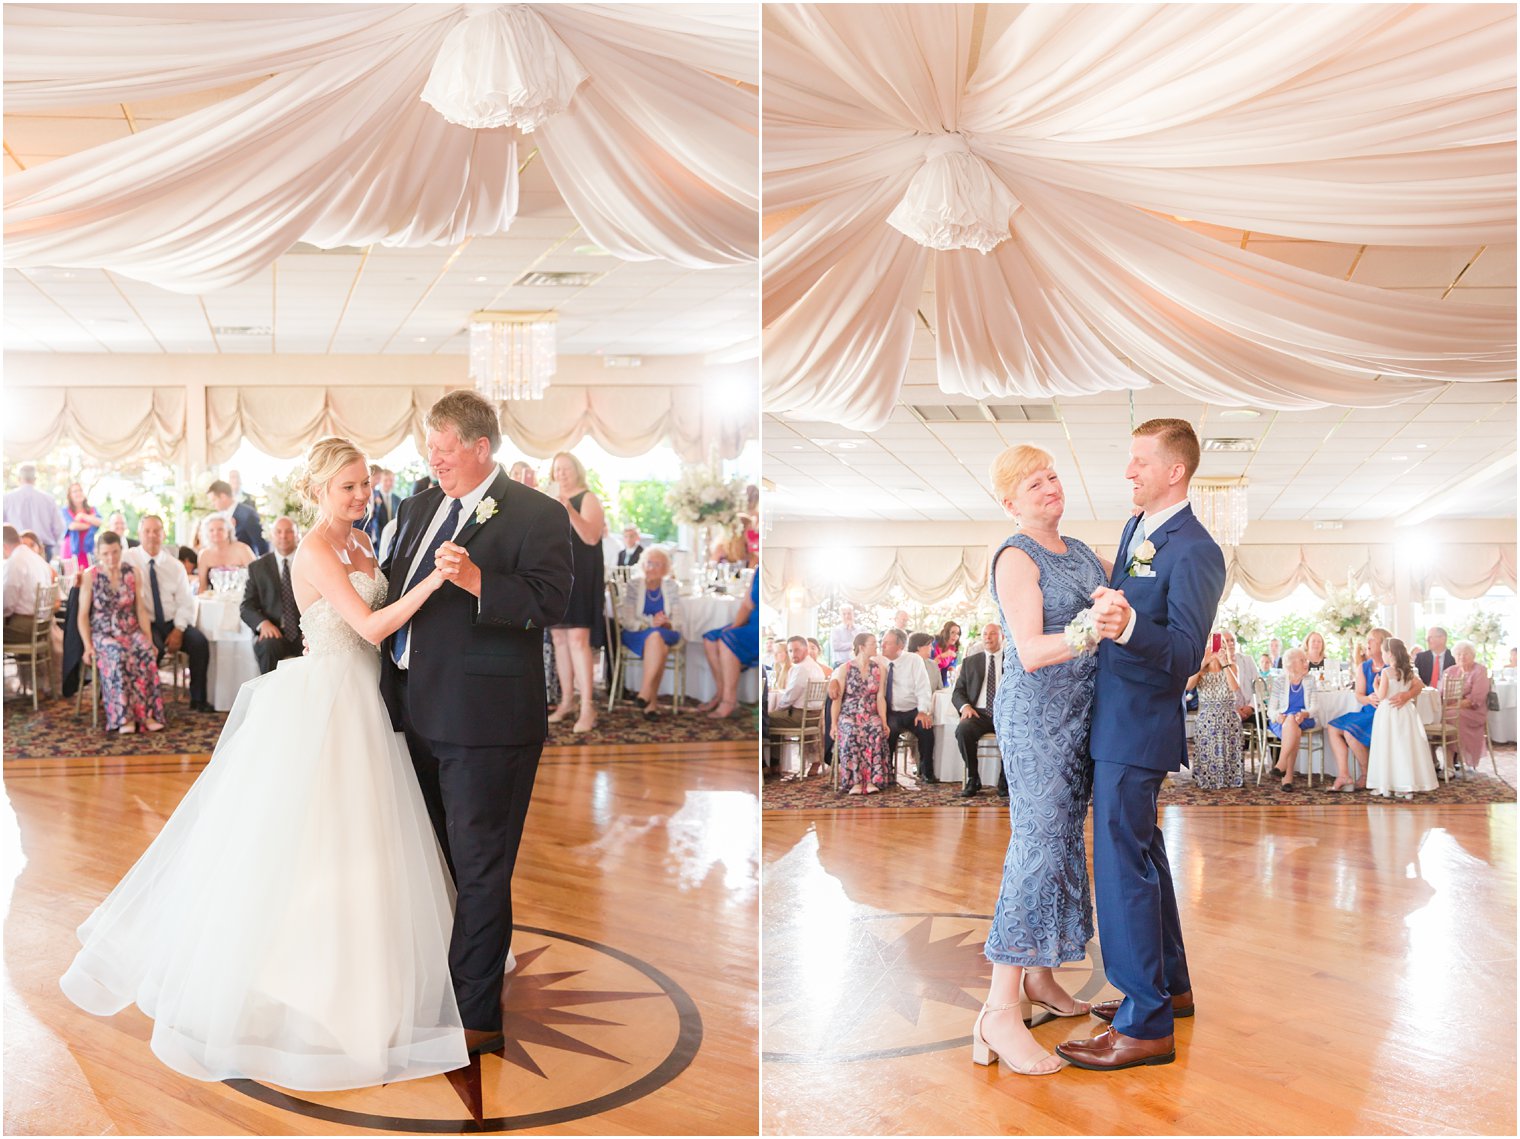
[1015,465]
[324,460]
[580,467]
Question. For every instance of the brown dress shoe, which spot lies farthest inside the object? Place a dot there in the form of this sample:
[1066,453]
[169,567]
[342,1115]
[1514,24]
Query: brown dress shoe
[1111,1050]
[1182,1005]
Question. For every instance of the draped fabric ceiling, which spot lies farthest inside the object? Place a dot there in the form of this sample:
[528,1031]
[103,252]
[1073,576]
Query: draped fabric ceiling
[655,153]
[929,575]
[1073,141]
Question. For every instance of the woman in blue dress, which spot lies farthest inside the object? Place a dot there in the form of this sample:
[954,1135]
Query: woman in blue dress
[732,649]
[1042,711]
[647,618]
[1351,734]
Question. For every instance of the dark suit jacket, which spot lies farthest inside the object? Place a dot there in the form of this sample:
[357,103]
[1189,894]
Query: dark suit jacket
[261,596]
[968,685]
[382,508]
[477,670]
[1138,717]
[630,557]
[1423,662]
[248,529]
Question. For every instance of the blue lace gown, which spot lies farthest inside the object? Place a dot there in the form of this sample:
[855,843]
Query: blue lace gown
[1044,908]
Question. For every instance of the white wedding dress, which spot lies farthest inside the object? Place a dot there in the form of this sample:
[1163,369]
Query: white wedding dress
[291,921]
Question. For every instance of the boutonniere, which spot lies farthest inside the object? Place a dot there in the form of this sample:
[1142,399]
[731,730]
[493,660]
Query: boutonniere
[487,509]
[1140,564]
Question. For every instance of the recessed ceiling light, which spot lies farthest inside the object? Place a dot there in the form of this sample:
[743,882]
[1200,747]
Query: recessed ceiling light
[420,339]
[797,446]
[1421,446]
[592,251]
[1240,413]
[1398,458]
[481,280]
[847,445]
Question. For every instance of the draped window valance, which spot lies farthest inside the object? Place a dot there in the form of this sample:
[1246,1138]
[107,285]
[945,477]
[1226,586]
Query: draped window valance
[108,424]
[645,115]
[932,574]
[1077,142]
[284,421]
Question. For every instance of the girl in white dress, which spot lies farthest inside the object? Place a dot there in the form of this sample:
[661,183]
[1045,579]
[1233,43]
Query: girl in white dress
[291,921]
[1399,757]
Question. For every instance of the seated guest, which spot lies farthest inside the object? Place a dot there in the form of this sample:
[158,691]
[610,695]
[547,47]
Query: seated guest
[247,528]
[1472,710]
[921,645]
[788,699]
[220,551]
[170,605]
[1264,662]
[842,638]
[909,700]
[269,600]
[1435,660]
[1245,674]
[114,623]
[191,561]
[947,650]
[732,649]
[633,547]
[1275,651]
[117,524]
[30,540]
[24,572]
[648,617]
[974,691]
[815,650]
[1314,650]
[858,699]
[1291,708]
[781,662]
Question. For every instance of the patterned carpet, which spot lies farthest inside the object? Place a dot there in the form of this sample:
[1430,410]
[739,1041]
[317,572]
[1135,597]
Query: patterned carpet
[1474,787]
[53,731]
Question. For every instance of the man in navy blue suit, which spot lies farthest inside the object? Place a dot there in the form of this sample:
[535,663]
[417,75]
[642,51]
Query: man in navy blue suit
[1154,618]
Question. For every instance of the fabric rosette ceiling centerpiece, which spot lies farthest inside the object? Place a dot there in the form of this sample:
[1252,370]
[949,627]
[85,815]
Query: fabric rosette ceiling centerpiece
[1045,169]
[392,124]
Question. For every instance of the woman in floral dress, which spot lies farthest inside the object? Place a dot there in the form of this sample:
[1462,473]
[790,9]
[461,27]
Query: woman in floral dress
[1217,758]
[114,624]
[860,719]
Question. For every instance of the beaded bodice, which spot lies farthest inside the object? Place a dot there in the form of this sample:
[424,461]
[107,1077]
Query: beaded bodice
[327,633]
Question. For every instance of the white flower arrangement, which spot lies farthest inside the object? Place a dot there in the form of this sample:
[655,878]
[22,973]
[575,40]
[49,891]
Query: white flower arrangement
[1245,624]
[1082,632]
[485,509]
[1347,613]
[282,498]
[702,497]
[1484,627]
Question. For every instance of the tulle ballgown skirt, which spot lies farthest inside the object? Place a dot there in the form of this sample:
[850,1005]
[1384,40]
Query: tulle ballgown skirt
[291,921]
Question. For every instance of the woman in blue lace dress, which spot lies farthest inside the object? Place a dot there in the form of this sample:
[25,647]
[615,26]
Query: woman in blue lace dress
[1042,711]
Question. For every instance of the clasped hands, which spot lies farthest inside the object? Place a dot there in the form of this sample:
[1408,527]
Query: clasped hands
[453,564]
[1110,611]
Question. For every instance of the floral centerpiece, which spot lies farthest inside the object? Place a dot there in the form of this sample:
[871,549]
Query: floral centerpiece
[1347,614]
[281,498]
[1244,623]
[703,497]
[1484,627]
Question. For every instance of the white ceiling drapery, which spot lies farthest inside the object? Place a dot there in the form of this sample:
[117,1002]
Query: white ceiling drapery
[1106,125]
[655,154]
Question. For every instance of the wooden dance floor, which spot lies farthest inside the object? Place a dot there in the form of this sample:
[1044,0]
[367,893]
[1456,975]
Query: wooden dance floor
[1354,973]
[634,1002]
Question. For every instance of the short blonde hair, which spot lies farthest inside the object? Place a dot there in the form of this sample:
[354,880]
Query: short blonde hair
[324,460]
[1015,465]
[580,467]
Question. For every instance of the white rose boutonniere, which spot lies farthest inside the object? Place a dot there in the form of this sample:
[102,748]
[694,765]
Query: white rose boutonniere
[485,509]
[1140,564]
[1082,632]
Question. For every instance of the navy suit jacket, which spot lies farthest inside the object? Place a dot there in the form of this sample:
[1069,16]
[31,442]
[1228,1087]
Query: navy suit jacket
[1138,718]
[248,529]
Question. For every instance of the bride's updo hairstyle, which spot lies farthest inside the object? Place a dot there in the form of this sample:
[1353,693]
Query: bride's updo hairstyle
[326,458]
[1015,465]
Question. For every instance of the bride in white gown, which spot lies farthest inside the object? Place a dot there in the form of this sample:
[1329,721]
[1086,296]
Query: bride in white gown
[291,921]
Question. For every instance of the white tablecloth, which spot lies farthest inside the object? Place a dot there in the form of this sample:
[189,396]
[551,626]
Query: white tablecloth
[1501,724]
[947,754]
[232,659]
[1340,701]
[697,616]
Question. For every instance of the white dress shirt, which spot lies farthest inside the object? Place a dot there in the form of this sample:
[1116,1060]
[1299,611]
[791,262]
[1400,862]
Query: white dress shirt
[468,503]
[994,665]
[24,572]
[173,584]
[794,695]
[910,684]
[1150,523]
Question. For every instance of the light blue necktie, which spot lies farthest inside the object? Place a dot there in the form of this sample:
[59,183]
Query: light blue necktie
[1136,540]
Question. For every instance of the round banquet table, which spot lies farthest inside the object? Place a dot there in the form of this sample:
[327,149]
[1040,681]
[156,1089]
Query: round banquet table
[1501,724]
[1339,701]
[232,659]
[947,755]
[696,616]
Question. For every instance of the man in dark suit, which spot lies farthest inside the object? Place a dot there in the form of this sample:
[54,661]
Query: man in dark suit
[465,679]
[633,547]
[381,508]
[246,527]
[975,689]
[269,600]
[1154,617]
[1434,661]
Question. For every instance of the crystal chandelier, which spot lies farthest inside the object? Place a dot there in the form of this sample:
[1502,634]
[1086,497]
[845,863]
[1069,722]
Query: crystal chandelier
[1220,505]
[512,354]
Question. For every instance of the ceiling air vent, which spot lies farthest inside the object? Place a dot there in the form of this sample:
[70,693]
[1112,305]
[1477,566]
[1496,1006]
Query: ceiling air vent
[556,280]
[1229,445]
[940,413]
[241,329]
[1023,413]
